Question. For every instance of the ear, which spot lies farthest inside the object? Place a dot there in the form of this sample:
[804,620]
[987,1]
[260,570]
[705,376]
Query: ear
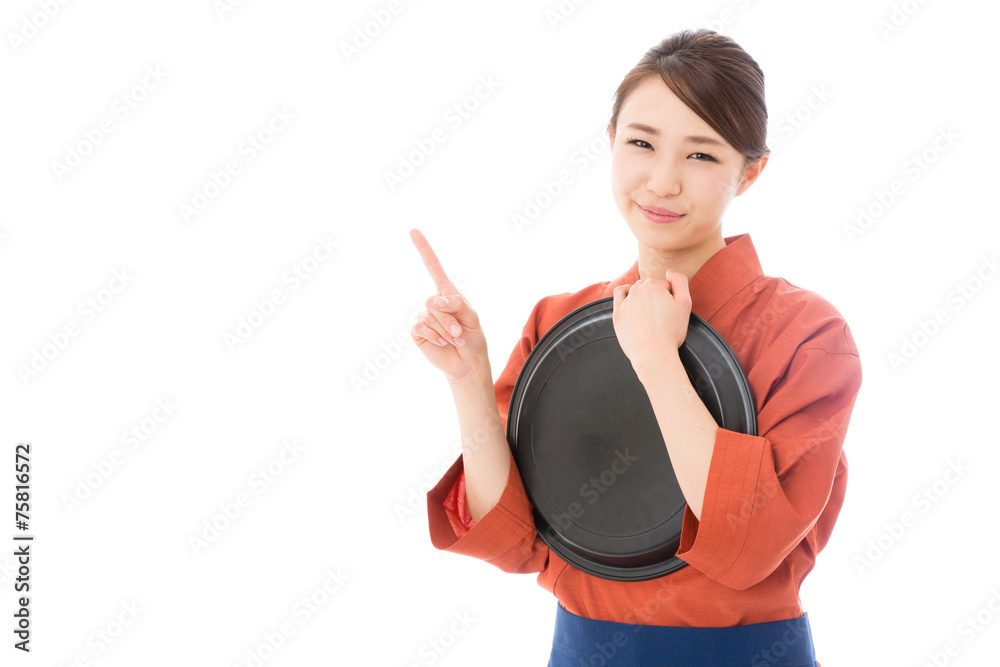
[611,135]
[752,172]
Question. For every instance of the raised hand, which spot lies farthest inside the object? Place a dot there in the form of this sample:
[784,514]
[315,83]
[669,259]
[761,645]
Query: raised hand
[449,335]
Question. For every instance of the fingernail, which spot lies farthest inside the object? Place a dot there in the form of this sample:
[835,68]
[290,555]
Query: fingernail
[441,302]
[455,329]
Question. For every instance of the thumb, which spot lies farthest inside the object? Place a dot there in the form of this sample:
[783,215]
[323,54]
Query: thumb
[459,307]
[451,302]
[619,295]
[678,284]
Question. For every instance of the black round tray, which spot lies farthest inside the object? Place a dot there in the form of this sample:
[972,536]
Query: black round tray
[590,451]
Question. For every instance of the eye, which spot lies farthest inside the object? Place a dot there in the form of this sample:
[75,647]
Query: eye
[639,143]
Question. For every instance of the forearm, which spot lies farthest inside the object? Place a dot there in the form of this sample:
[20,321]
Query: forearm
[485,452]
[687,426]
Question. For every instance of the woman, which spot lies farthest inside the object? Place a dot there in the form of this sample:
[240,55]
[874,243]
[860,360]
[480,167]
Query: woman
[687,135]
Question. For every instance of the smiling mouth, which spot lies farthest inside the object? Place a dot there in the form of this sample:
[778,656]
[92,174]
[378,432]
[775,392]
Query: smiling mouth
[658,218]
[661,211]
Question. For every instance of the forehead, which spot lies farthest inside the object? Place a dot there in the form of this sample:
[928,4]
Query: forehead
[652,103]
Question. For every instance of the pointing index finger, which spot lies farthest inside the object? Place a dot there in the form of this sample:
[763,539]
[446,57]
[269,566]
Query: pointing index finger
[434,267]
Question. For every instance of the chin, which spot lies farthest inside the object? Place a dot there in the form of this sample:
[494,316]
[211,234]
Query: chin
[660,241]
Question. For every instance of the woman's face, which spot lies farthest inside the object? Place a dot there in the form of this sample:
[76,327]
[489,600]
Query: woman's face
[677,162]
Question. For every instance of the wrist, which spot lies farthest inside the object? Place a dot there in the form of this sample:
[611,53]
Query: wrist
[473,380]
[665,363]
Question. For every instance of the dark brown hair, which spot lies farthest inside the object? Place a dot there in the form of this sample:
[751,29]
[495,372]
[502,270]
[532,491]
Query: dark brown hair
[716,79]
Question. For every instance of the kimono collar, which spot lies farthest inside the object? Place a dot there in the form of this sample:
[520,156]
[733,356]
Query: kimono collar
[717,281]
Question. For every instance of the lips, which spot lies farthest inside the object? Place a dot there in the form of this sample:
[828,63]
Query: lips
[660,211]
[659,218]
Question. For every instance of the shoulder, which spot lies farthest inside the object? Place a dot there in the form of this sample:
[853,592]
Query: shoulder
[801,316]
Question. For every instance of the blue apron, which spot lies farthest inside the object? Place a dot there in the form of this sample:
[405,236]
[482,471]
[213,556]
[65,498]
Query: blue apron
[584,642]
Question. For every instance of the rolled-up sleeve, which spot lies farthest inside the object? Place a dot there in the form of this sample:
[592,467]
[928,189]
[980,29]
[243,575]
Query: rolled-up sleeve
[505,536]
[765,493]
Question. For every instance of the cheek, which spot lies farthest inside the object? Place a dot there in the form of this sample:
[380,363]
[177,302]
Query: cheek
[715,192]
[616,171]
[618,185]
[622,169]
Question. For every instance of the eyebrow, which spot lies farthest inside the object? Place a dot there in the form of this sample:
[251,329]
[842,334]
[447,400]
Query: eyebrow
[691,138]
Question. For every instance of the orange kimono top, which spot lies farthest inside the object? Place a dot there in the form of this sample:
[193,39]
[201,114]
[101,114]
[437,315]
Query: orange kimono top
[771,500]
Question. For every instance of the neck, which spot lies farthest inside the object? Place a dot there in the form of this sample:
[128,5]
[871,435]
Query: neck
[654,263]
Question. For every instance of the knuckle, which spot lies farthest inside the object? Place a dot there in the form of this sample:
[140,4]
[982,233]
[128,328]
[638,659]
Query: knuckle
[429,333]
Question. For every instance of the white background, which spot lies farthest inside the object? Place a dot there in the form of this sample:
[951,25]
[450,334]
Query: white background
[368,450]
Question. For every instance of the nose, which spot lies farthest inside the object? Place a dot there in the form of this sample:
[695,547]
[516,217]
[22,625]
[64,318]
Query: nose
[664,180]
